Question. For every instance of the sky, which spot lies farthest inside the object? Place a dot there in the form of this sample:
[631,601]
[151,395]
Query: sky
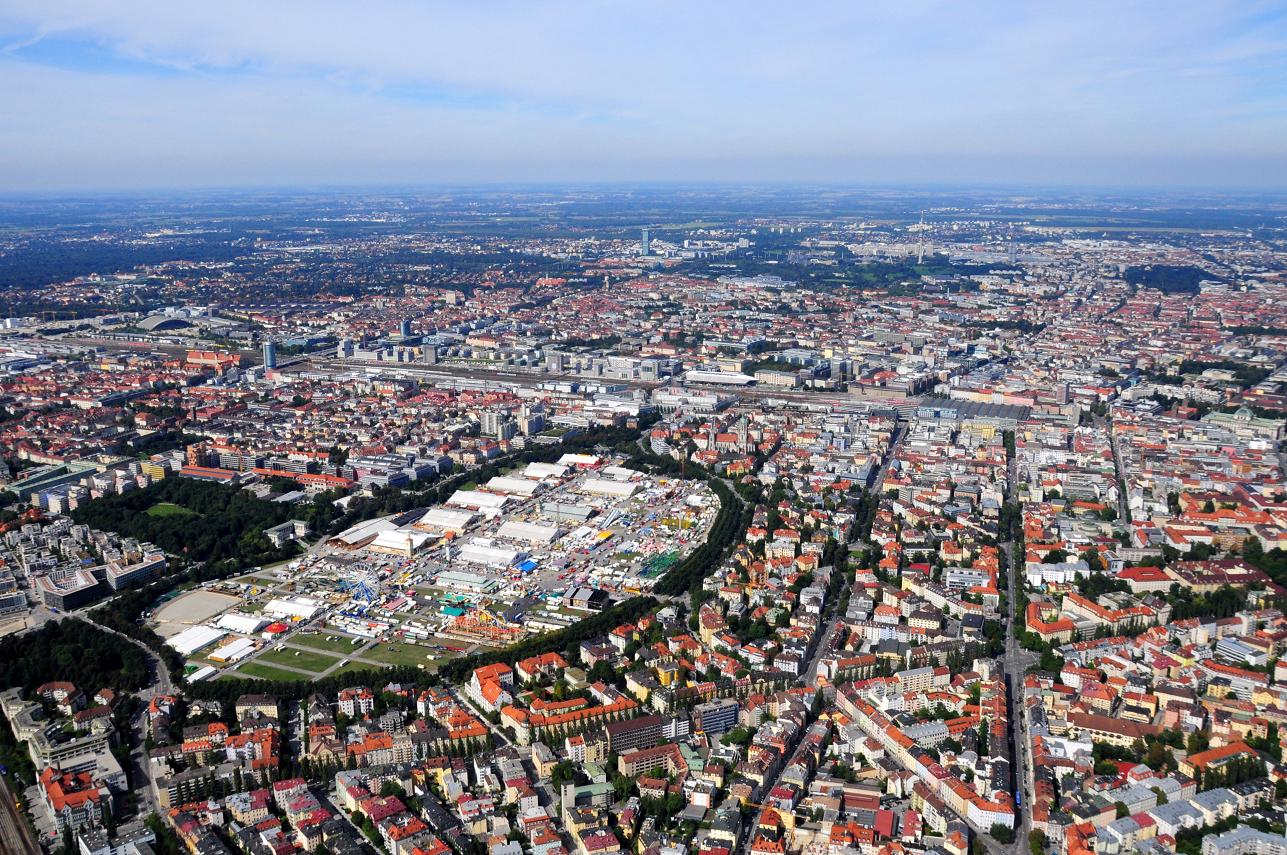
[109,96]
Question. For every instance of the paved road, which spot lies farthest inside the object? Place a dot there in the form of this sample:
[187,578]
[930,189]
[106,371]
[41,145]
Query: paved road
[1123,512]
[1015,664]
[158,684]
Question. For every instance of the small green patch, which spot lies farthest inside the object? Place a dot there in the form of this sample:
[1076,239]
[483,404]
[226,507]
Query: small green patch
[266,672]
[169,509]
[401,653]
[354,666]
[263,581]
[305,660]
[334,644]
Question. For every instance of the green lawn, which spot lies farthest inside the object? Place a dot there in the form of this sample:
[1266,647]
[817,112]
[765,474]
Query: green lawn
[341,644]
[314,661]
[266,672]
[169,509]
[405,654]
[353,666]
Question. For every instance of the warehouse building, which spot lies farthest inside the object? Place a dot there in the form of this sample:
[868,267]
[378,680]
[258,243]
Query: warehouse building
[525,487]
[543,471]
[490,503]
[565,512]
[533,533]
[195,638]
[460,581]
[400,542]
[606,487]
[483,552]
[243,624]
[446,519]
[233,651]
[298,607]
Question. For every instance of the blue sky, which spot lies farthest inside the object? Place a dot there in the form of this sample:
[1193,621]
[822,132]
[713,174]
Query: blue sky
[278,92]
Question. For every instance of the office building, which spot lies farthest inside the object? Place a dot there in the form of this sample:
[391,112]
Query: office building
[715,716]
[643,732]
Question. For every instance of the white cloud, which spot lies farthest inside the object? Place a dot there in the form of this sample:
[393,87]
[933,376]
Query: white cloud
[309,91]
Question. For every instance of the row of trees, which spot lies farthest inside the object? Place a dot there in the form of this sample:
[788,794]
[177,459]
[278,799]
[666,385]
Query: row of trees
[730,524]
[1233,772]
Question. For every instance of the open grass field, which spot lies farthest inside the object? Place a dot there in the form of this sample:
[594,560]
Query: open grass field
[267,672]
[352,666]
[402,653]
[305,660]
[169,509]
[262,581]
[341,644]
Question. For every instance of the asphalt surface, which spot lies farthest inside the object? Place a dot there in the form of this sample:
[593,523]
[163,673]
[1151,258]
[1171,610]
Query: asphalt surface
[1015,663]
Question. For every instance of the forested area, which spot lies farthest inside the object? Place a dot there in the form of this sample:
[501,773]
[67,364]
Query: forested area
[227,523]
[1246,375]
[45,262]
[72,650]
[1167,278]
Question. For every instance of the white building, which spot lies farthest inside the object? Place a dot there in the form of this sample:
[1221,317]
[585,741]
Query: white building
[525,487]
[296,607]
[606,487]
[478,500]
[194,638]
[476,552]
[533,533]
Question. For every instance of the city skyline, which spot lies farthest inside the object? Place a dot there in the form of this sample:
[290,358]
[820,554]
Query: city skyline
[395,94]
